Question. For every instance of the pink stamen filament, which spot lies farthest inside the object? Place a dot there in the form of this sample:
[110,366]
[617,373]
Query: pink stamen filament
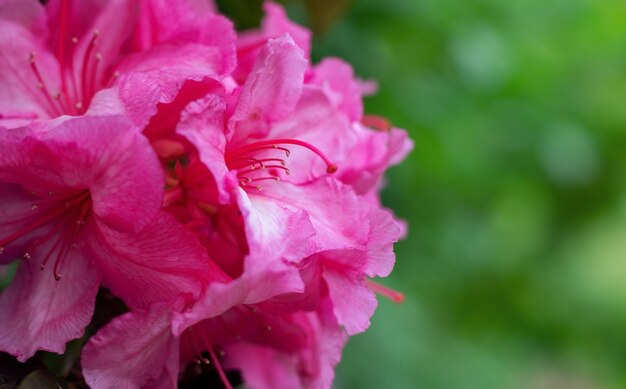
[393,295]
[64,239]
[243,150]
[220,371]
[281,167]
[86,61]
[42,86]
[40,222]
[63,14]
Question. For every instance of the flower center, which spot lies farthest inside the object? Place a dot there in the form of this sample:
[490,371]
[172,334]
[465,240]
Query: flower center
[263,160]
[80,78]
[65,214]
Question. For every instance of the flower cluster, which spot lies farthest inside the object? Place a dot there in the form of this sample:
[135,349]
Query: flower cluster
[219,183]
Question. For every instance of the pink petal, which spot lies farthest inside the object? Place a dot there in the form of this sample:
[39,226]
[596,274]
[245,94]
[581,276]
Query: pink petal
[353,302]
[39,313]
[277,23]
[384,232]
[202,123]
[135,350]
[339,217]
[317,121]
[155,264]
[103,154]
[273,229]
[271,90]
[374,152]
[274,24]
[336,78]
[277,371]
[254,286]
[26,13]
[21,101]
[113,20]
[192,21]
[16,202]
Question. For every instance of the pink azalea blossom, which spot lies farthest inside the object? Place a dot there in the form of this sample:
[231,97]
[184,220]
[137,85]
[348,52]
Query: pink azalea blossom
[278,154]
[81,206]
[58,57]
[297,350]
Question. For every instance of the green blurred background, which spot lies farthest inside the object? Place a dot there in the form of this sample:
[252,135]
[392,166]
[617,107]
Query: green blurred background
[515,264]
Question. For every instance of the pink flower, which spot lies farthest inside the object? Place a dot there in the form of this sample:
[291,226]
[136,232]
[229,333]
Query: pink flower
[58,57]
[81,206]
[283,151]
[293,350]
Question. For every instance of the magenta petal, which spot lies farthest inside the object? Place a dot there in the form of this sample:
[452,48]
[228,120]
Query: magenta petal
[384,232]
[156,76]
[277,23]
[21,101]
[135,350]
[16,202]
[339,217]
[38,312]
[353,302]
[112,20]
[317,121]
[103,154]
[271,90]
[278,371]
[155,264]
[202,123]
[29,14]
[336,78]
[262,284]
[372,154]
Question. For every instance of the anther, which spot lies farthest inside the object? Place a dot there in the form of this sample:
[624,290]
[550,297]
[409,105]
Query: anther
[1,250]
[31,57]
[79,105]
[26,256]
[34,207]
[57,276]
[74,40]
[269,328]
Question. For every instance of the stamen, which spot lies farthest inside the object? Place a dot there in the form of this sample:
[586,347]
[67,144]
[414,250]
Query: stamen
[244,151]
[42,85]
[393,295]
[86,62]
[63,233]
[376,122]
[63,14]
[220,371]
[243,161]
